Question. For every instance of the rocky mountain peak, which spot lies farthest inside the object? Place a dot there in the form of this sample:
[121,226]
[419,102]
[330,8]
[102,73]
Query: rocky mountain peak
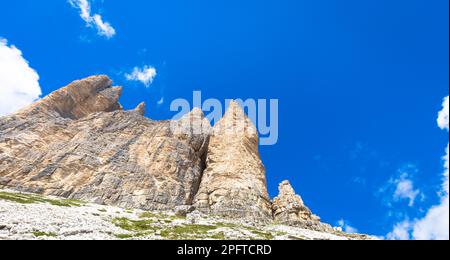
[289,208]
[234,181]
[140,109]
[78,143]
[286,191]
[234,110]
[235,122]
[81,98]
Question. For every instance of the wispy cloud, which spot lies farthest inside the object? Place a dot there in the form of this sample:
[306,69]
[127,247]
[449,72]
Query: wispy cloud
[435,223]
[444,125]
[356,151]
[346,227]
[19,83]
[443,115]
[145,75]
[401,188]
[401,231]
[93,20]
[161,101]
[359,180]
[404,189]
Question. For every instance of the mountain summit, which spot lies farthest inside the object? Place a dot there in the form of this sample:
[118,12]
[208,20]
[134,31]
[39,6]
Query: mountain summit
[79,143]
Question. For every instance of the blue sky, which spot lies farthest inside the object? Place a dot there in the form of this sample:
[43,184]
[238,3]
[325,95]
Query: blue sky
[359,84]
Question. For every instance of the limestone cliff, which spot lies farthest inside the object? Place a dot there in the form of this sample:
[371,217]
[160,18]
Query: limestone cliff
[79,143]
[234,182]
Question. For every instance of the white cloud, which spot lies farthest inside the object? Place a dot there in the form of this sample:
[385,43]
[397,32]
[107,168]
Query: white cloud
[443,115]
[19,83]
[145,75]
[401,187]
[401,231]
[405,189]
[93,20]
[161,101]
[435,224]
[346,227]
[446,164]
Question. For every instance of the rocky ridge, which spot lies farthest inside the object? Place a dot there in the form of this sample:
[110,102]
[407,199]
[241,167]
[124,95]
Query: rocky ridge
[79,143]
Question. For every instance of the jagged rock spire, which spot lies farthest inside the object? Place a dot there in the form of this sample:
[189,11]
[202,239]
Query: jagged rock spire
[140,109]
[289,208]
[235,122]
[234,181]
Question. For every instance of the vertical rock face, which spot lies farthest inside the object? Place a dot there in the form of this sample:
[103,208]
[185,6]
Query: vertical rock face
[288,208]
[79,143]
[234,181]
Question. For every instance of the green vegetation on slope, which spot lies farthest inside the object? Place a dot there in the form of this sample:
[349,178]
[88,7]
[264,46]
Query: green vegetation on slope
[44,234]
[32,198]
[160,225]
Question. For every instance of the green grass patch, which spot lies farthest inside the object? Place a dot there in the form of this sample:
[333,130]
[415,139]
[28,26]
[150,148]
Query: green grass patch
[296,238]
[261,234]
[187,232]
[281,233]
[139,228]
[19,198]
[219,236]
[134,225]
[32,199]
[160,216]
[150,215]
[124,236]
[227,225]
[64,203]
[133,235]
[150,223]
[44,234]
